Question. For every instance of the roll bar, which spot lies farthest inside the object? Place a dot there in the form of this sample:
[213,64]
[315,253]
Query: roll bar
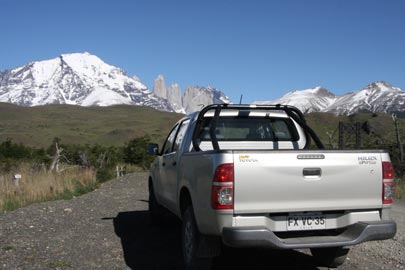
[291,111]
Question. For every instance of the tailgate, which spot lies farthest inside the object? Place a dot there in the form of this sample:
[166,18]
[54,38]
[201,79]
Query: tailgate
[294,181]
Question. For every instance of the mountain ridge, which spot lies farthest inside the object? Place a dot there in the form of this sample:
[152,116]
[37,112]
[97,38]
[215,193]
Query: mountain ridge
[84,79]
[377,97]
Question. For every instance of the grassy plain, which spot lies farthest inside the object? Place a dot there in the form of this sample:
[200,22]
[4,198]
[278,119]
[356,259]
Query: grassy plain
[115,125]
[110,126]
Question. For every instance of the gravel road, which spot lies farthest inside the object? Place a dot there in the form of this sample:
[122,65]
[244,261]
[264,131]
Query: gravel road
[109,229]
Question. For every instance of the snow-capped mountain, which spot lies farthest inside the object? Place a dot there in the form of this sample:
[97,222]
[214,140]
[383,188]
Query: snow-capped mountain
[78,79]
[309,100]
[377,97]
[84,79]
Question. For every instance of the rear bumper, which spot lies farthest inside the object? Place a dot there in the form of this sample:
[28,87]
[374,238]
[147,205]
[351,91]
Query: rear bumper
[354,234]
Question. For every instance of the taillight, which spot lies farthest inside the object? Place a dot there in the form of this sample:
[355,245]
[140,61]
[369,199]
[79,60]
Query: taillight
[222,187]
[388,191]
[388,170]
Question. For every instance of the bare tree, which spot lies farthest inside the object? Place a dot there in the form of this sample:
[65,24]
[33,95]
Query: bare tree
[57,158]
[83,158]
[101,160]
[332,139]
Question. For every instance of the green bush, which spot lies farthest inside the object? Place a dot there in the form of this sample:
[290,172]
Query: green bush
[11,154]
[105,174]
[135,152]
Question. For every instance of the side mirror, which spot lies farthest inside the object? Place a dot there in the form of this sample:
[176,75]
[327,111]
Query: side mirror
[152,149]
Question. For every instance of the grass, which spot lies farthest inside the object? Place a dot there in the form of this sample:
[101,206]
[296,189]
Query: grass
[116,125]
[110,126]
[381,127]
[60,264]
[400,189]
[7,248]
[43,185]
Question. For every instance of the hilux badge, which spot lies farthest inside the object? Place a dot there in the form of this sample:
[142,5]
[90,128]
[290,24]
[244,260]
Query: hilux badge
[364,160]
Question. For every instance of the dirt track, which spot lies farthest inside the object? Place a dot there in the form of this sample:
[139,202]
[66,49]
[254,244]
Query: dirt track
[109,229]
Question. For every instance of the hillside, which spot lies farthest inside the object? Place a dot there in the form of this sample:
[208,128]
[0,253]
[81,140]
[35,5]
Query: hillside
[379,133]
[115,125]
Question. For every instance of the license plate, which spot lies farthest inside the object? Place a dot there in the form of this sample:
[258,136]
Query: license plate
[299,222]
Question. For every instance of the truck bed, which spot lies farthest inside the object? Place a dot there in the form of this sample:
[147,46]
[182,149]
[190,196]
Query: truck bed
[285,181]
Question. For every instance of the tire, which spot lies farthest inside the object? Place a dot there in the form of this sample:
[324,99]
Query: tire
[330,257]
[156,211]
[190,241]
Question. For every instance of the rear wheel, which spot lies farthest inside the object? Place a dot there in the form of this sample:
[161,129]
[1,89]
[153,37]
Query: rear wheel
[156,211]
[190,242]
[330,257]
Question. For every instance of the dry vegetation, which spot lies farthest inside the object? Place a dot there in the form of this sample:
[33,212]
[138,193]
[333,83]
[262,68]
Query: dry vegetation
[40,185]
[400,189]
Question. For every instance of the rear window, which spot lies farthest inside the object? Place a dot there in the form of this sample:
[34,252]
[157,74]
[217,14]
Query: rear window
[250,129]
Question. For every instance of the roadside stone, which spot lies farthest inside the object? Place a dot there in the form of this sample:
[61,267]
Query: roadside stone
[67,210]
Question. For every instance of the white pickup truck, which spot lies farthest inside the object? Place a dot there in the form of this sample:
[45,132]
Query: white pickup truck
[248,176]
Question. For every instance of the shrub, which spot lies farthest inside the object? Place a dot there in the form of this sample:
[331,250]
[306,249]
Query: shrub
[135,152]
[105,174]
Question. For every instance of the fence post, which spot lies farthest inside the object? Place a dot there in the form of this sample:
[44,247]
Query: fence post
[398,137]
[16,180]
[341,134]
[358,135]
[120,171]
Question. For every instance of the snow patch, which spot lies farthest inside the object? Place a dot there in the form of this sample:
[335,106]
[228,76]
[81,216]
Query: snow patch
[103,97]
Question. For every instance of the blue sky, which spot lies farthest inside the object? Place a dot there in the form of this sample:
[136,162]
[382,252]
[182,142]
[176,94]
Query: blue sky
[261,49]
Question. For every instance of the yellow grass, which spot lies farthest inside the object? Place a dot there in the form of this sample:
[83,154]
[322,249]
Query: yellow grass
[38,185]
[400,189]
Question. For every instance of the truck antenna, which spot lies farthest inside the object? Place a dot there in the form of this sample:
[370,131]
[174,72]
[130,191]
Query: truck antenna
[240,100]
